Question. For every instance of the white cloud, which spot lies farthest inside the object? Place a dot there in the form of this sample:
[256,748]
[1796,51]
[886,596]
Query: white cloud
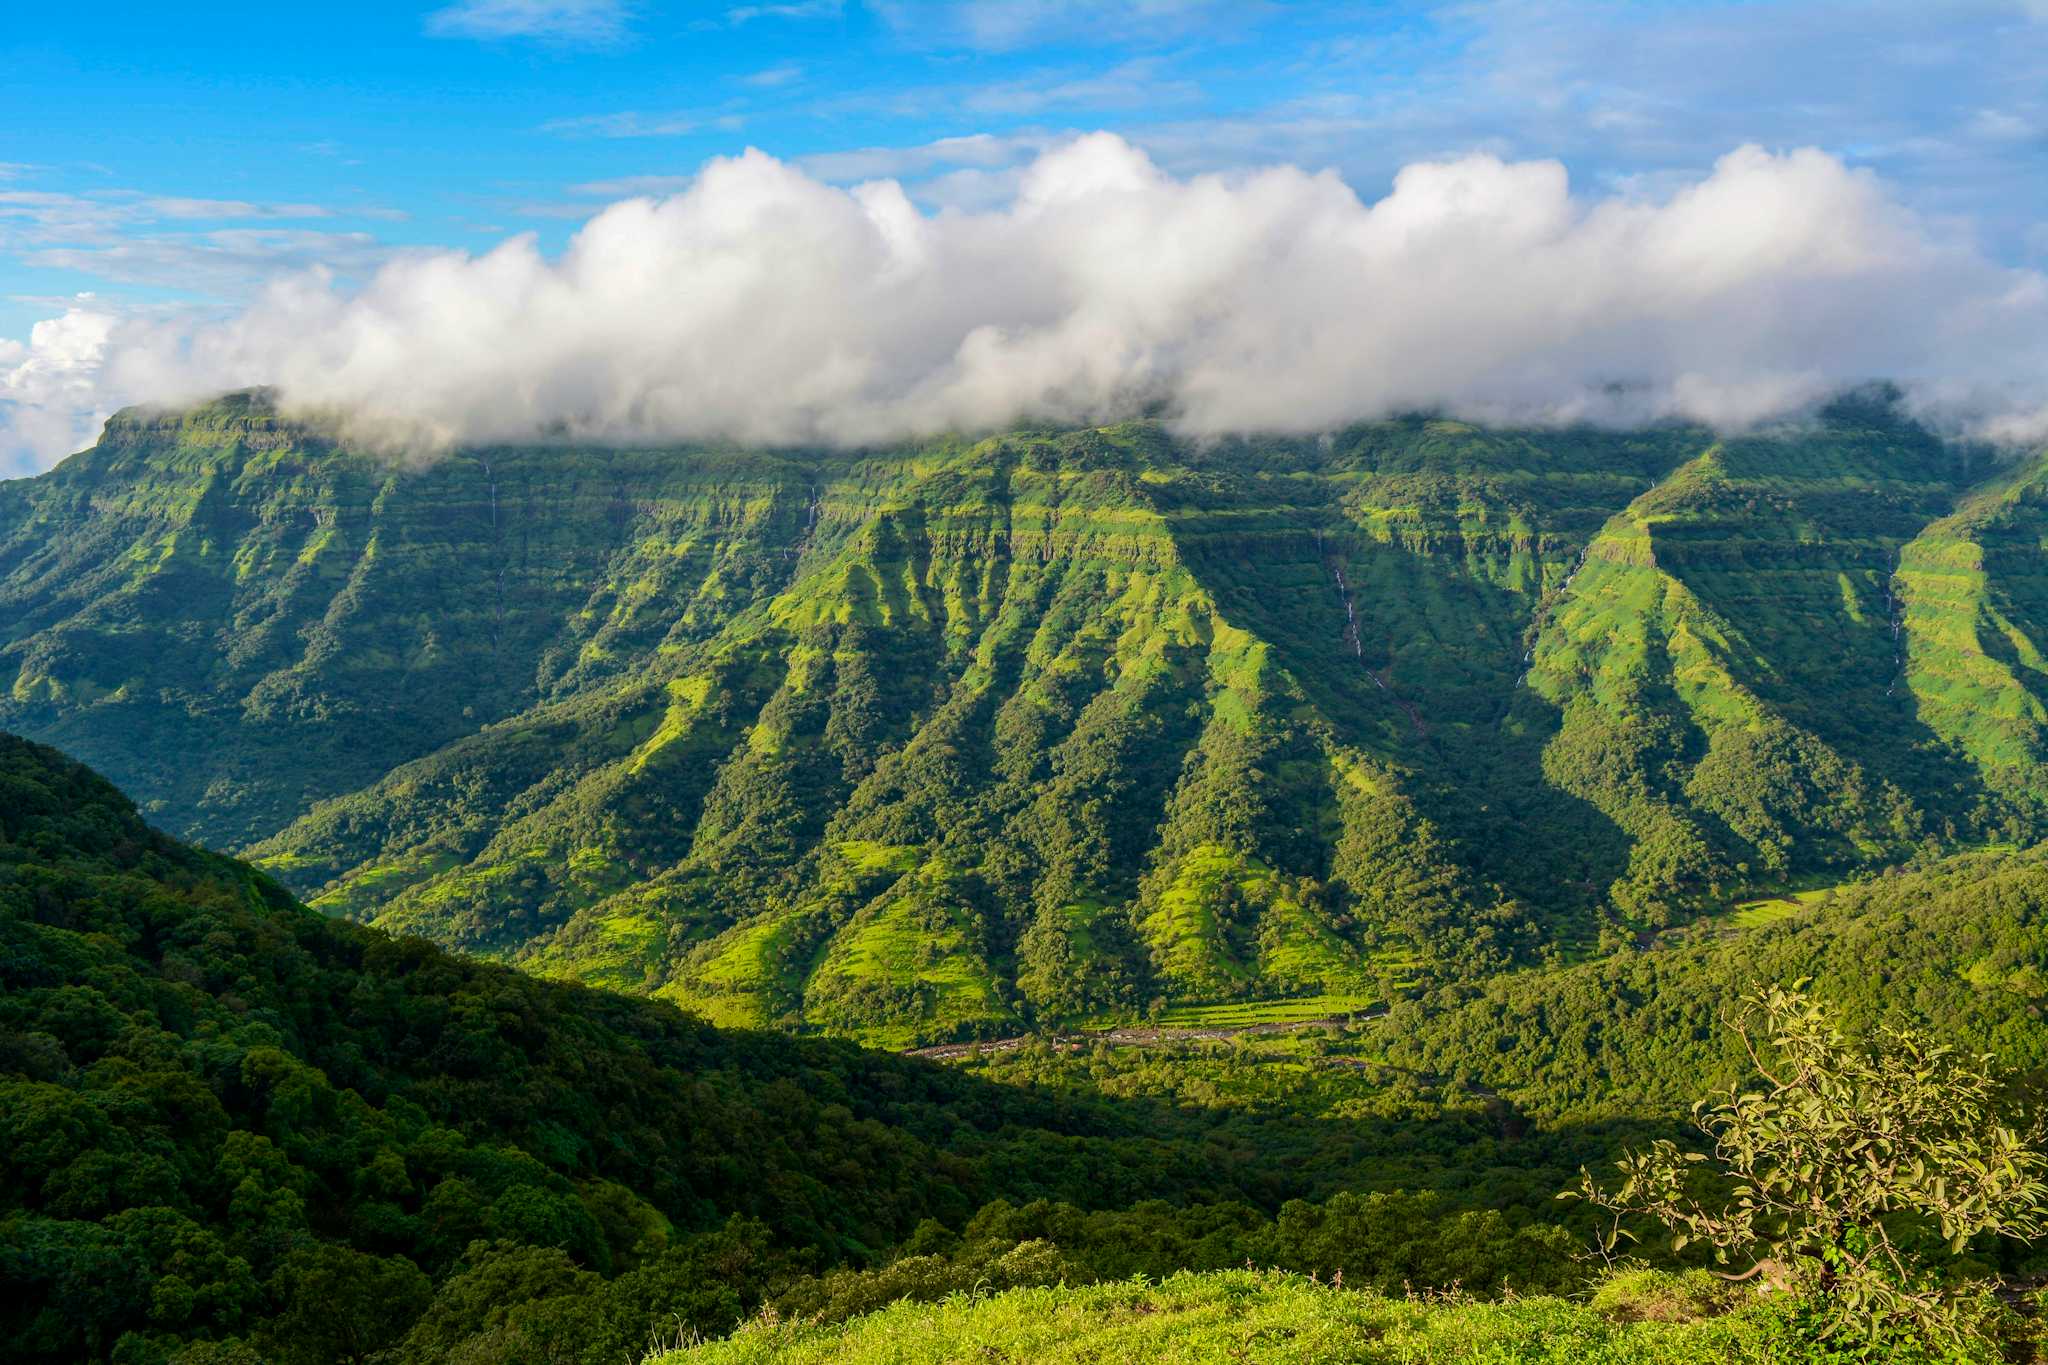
[50,397]
[1003,25]
[774,77]
[969,189]
[635,123]
[789,9]
[1130,85]
[587,22]
[763,305]
[984,150]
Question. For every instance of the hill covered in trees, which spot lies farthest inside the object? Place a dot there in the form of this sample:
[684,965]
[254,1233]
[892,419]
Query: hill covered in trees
[232,1128]
[229,1124]
[927,742]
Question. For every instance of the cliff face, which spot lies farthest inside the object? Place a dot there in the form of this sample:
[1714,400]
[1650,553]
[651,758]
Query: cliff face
[898,742]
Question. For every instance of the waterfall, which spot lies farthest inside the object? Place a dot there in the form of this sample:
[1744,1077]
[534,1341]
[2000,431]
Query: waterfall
[1350,612]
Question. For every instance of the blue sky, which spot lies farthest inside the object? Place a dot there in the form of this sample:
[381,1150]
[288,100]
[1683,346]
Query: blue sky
[1715,209]
[187,152]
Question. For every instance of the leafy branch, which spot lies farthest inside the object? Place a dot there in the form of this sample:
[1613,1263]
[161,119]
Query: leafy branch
[1842,1172]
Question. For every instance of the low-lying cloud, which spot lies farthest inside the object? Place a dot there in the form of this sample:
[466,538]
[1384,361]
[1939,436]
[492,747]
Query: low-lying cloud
[762,305]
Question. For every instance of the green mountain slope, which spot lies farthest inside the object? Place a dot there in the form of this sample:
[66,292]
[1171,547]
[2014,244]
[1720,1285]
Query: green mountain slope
[922,742]
[225,1119]
[1958,946]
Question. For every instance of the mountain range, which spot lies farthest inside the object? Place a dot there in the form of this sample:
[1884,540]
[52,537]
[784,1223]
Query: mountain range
[957,736]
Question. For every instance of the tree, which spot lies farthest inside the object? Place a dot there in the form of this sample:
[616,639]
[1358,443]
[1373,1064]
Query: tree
[339,1304]
[1843,1176]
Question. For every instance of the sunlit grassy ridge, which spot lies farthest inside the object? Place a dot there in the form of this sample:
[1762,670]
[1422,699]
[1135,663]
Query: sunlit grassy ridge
[1240,1316]
[1057,725]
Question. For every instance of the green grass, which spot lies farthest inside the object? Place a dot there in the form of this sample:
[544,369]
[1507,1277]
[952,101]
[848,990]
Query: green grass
[1242,1013]
[1248,1316]
[1771,909]
[738,977]
[902,944]
[368,888]
[865,856]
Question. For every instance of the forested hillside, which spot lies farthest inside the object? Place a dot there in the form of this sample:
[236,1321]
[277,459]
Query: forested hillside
[232,1128]
[927,742]
[230,1118]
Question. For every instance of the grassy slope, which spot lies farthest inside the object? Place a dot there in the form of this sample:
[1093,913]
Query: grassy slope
[906,744]
[1234,1316]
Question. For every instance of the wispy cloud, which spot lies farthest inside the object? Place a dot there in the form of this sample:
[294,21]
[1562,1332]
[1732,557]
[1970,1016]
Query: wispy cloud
[793,9]
[1140,84]
[214,209]
[227,261]
[594,23]
[982,150]
[774,77]
[1143,85]
[132,237]
[1005,25]
[979,170]
[627,123]
[628,186]
[41,216]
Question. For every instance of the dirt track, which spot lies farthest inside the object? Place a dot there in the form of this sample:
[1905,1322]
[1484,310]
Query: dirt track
[1133,1037]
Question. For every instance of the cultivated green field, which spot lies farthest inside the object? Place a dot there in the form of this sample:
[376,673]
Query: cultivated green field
[1244,1013]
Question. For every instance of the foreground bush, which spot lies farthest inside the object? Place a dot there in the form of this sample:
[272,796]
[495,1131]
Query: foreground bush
[1848,1175]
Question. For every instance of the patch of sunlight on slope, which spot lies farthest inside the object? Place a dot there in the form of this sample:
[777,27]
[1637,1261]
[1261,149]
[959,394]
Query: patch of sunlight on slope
[1227,923]
[733,980]
[685,697]
[911,963]
[1237,1315]
[1974,620]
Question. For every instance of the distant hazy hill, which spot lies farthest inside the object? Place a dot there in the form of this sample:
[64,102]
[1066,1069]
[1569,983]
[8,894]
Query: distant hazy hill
[892,742]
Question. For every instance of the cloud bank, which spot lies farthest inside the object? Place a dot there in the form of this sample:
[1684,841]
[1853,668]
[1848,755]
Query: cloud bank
[762,305]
